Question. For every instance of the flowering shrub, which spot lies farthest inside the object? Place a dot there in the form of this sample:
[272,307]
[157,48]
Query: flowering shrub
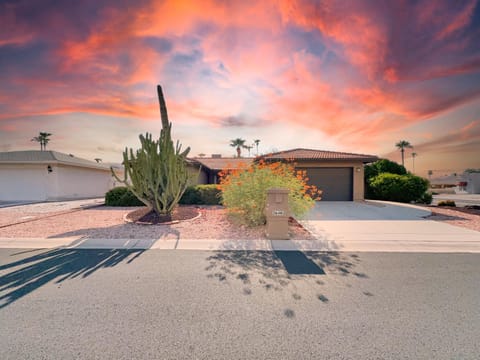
[244,191]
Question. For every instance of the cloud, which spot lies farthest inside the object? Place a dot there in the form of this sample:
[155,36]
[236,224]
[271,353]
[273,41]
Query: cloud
[356,73]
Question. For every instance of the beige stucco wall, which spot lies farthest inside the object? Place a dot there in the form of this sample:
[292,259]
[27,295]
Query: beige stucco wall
[358,174]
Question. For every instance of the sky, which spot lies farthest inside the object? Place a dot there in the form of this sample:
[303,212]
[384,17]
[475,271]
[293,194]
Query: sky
[354,76]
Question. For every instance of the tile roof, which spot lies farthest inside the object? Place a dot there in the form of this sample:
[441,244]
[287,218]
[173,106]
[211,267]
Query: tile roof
[37,156]
[223,163]
[310,154]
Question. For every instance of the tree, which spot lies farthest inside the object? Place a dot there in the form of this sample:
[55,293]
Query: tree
[414,155]
[402,145]
[256,142]
[98,160]
[157,172]
[249,147]
[238,144]
[43,139]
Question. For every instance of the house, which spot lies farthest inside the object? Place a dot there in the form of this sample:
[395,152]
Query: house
[50,175]
[210,167]
[339,175]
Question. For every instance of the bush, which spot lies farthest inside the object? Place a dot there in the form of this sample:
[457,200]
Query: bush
[244,191]
[426,198]
[447,203]
[377,168]
[201,195]
[401,188]
[121,196]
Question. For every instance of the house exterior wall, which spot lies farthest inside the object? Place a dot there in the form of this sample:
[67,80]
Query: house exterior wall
[198,177]
[358,174]
[473,183]
[76,183]
[25,182]
[33,182]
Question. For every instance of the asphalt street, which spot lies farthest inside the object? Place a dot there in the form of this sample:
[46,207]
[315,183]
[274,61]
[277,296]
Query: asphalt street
[120,304]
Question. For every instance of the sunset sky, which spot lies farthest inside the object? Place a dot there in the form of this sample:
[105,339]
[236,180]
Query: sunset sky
[355,76]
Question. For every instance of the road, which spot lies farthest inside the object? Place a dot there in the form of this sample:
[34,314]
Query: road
[119,304]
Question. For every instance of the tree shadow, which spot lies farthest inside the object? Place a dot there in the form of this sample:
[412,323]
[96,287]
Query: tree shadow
[277,271]
[57,265]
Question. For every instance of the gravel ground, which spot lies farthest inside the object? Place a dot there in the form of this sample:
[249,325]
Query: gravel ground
[107,222]
[72,219]
[469,219]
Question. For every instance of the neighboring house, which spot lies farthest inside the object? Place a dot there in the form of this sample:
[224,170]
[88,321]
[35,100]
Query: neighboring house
[339,175]
[49,175]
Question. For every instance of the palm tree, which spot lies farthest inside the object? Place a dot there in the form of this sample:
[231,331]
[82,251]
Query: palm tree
[98,160]
[43,139]
[414,154]
[249,147]
[402,145]
[239,144]
[256,142]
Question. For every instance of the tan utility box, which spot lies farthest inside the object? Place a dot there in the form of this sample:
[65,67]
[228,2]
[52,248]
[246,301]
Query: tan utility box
[277,213]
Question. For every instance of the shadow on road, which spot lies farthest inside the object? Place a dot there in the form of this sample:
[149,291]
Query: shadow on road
[28,274]
[296,263]
[279,271]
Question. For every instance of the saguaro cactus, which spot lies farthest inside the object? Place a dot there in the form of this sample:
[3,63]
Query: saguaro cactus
[157,172]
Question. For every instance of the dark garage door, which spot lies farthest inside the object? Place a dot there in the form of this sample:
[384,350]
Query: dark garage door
[336,183]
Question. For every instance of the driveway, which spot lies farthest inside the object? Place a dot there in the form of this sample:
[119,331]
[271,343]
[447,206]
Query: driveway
[384,226]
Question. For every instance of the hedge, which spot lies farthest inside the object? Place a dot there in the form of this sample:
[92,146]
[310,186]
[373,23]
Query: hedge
[401,188]
[121,196]
[201,195]
[194,195]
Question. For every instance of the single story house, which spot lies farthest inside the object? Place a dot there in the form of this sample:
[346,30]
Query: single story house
[339,175]
[210,167]
[50,175]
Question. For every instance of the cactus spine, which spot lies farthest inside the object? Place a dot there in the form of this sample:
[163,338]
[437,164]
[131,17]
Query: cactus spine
[157,173]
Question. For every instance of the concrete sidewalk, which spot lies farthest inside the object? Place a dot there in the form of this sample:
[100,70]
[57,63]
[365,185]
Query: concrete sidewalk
[405,237]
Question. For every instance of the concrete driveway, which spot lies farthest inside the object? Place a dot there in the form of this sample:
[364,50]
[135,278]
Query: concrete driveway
[383,226]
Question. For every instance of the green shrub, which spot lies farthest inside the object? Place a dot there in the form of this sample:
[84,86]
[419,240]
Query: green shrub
[447,203]
[121,196]
[426,198]
[377,168]
[401,188]
[201,195]
[244,191]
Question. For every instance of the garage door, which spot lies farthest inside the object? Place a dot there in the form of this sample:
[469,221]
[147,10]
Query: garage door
[336,183]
